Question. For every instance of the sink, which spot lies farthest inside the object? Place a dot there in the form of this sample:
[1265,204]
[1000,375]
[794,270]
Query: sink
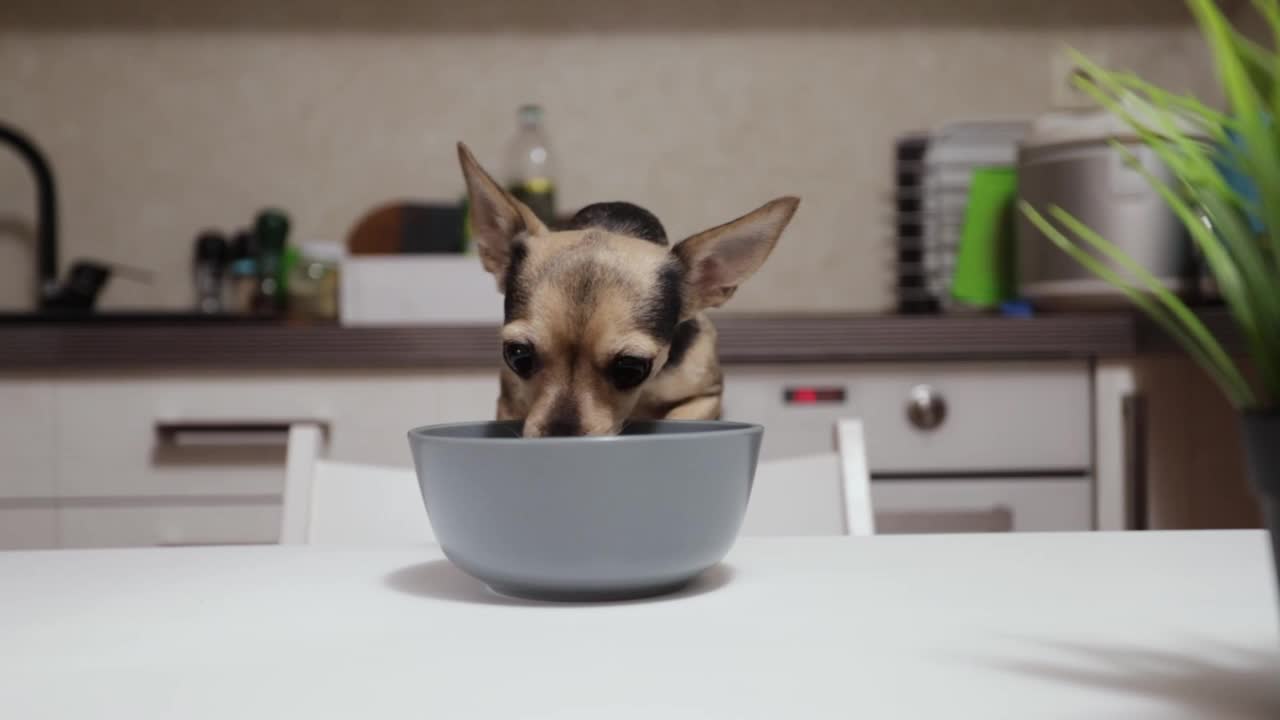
[127,317]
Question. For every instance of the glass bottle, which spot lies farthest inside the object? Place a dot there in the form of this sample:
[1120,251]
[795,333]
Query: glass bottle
[271,231]
[530,172]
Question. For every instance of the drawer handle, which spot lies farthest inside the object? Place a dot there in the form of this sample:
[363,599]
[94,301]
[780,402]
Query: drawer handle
[229,433]
[926,408]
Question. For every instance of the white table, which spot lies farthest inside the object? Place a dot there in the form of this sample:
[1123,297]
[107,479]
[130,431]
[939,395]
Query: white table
[1156,625]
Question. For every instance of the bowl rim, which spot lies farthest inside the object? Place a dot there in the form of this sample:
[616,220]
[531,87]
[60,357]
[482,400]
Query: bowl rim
[722,428]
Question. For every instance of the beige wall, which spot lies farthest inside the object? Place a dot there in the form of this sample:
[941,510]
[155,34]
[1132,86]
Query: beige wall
[166,117]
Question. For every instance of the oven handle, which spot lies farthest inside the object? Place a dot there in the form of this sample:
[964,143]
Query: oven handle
[1135,459]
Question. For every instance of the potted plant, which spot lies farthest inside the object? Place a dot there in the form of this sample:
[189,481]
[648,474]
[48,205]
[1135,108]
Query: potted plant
[1226,192]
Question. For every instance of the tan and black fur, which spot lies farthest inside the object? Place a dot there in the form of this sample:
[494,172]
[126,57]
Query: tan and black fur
[592,308]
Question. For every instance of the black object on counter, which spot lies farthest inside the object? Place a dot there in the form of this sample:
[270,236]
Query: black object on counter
[912,287]
[431,229]
[84,284]
[208,268]
[242,246]
[82,288]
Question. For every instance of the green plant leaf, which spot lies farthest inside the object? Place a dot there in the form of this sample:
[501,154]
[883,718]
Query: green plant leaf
[1202,147]
[1193,337]
[1193,164]
[1264,342]
[1220,262]
[1193,159]
[1117,84]
[1270,11]
[1177,309]
[1259,64]
[1261,161]
[1246,287]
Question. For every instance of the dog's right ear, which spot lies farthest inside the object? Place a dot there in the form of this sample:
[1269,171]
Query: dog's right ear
[718,260]
[497,218]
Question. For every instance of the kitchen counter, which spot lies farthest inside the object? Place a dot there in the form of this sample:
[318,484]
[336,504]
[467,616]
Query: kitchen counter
[743,339]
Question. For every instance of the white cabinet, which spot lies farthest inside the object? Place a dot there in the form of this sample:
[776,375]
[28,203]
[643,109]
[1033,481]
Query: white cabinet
[127,459]
[950,505]
[159,522]
[28,524]
[110,444]
[992,417]
[114,459]
[28,515]
[26,438]
[954,447]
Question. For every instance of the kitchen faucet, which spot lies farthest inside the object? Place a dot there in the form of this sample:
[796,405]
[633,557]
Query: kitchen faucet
[46,213]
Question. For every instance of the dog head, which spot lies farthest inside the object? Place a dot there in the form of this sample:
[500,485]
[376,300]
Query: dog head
[591,310]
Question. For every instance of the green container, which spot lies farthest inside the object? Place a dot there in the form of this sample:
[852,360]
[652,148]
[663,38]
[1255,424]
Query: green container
[984,274]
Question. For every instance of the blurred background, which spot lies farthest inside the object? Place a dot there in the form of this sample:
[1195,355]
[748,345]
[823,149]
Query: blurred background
[162,119]
[259,233]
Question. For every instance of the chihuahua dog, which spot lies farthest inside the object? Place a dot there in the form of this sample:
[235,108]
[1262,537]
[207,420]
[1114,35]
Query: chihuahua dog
[603,320]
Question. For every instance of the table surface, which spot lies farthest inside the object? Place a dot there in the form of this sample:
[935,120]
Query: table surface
[1138,625]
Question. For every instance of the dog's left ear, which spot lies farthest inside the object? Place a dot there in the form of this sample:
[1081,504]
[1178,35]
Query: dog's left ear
[497,218]
[718,260]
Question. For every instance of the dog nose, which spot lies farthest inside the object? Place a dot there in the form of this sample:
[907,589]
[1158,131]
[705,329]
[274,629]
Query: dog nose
[562,428]
[564,420]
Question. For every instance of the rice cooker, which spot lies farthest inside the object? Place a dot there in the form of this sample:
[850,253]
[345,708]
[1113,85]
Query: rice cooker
[1067,160]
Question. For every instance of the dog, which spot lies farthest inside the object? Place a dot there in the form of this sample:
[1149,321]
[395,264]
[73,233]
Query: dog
[604,320]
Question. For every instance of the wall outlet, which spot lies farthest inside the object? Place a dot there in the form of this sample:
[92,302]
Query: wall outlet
[1063,94]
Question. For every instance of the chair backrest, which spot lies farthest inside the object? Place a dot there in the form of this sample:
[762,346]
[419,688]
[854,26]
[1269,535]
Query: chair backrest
[821,494]
[797,496]
[345,504]
[333,503]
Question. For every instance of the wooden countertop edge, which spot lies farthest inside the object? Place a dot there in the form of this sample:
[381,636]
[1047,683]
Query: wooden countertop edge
[743,340]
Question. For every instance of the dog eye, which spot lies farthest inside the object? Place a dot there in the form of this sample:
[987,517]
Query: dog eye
[520,358]
[628,371]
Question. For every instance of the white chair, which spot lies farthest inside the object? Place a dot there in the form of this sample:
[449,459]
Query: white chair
[823,494]
[342,504]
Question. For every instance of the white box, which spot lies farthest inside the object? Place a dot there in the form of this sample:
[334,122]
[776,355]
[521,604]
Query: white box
[418,290]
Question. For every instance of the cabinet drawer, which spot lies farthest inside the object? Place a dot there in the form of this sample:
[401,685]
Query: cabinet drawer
[111,444]
[982,505]
[377,412]
[995,417]
[28,525]
[194,521]
[26,439]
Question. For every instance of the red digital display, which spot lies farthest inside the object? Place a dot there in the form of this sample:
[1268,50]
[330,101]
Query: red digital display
[808,395]
[804,396]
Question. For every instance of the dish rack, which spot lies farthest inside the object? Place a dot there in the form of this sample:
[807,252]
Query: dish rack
[913,295]
[933,175]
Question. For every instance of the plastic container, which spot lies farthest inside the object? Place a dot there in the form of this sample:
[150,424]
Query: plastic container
[314,281]
[984,275]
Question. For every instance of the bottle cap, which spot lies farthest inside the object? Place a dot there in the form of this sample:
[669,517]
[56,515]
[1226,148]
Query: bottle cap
[211,247]
[271,228]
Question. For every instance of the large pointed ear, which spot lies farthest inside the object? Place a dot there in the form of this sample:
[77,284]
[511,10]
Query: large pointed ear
[718,260]
[497,219]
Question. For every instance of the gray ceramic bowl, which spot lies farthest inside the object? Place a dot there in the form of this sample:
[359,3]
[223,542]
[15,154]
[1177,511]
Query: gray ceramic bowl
[586,518]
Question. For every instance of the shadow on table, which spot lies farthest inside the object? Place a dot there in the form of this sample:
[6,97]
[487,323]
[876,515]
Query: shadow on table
[440,580]
[1222,683]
